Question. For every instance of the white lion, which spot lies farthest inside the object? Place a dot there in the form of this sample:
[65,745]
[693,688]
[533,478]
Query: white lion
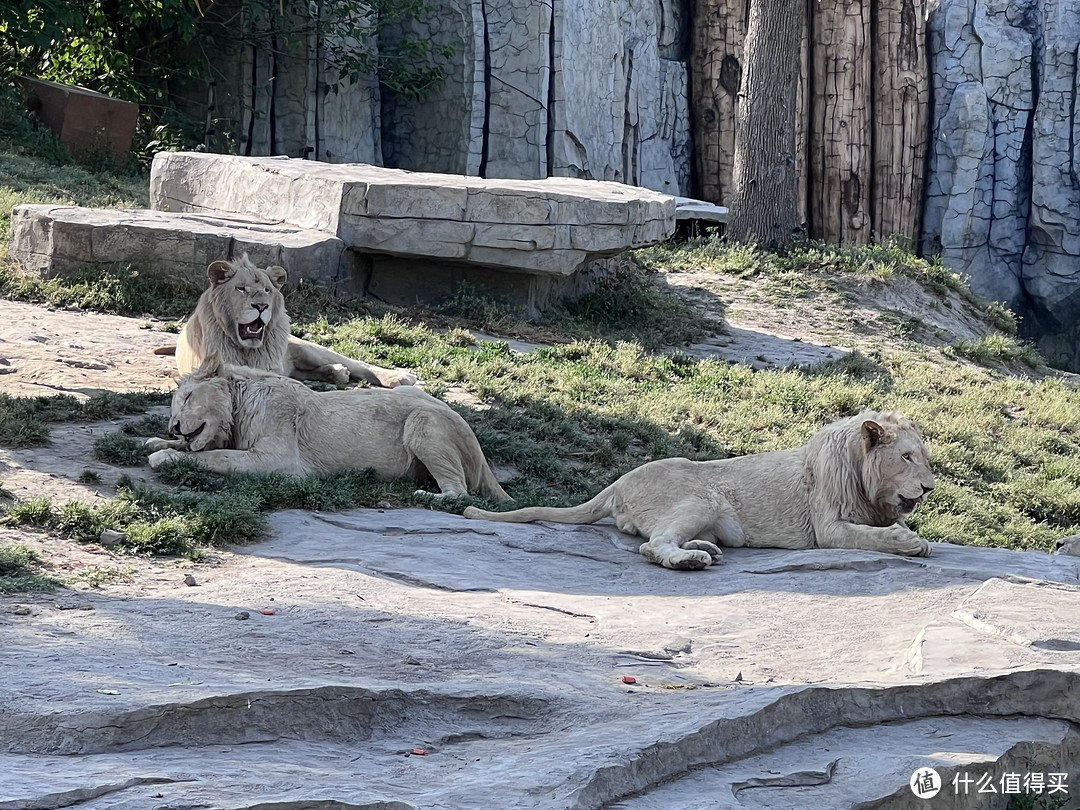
[236,419]
[241,317]
[848,487]
[1068,545]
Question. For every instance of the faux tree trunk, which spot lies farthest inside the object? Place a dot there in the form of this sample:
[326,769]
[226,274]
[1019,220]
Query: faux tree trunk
[764,208]
[901,107]
[841,123]
[716,53]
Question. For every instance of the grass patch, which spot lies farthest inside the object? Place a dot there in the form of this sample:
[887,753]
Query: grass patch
[712,254]
[115,290]
[121,449]
[215,510]
[1003,349]
[19,570]
[24,421]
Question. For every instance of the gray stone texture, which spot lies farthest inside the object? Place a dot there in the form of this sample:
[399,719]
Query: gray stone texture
[805,679]
[546,227]
[1003,194]
[594,90]
[56,240]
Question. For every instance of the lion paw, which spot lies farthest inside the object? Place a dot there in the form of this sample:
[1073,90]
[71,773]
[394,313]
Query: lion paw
[164,457]
[155,443]
[688,560]
[338,374]
[711,549]
[392,378]
[909,544]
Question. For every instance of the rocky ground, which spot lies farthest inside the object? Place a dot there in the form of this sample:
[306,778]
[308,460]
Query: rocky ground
[410,658]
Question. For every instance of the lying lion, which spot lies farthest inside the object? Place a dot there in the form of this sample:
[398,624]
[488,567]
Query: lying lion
[848,487]
[241,317]
[235,419]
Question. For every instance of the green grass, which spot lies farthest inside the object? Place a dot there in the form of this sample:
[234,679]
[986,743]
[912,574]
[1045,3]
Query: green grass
[24,421]
[115,290]
[212,511]
[19,570]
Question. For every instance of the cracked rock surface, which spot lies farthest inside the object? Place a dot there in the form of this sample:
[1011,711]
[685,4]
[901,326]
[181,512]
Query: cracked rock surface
[416,659]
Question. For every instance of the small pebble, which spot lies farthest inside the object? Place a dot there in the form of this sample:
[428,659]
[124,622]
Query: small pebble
[242,615]
[629,679]
[21,610]
[189,580]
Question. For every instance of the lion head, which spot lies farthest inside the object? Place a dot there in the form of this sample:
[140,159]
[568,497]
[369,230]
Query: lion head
[896,468]
[247,301]
[202,409]
[1068,545]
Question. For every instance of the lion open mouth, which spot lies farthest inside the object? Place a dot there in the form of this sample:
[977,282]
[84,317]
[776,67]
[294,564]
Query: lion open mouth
[251,331]
[909,504]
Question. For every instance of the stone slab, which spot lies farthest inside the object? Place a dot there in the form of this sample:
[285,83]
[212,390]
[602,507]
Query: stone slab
[778,679]
[58,240]
[552,226]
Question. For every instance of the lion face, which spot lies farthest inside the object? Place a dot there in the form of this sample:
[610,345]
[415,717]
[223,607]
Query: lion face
[1069,545]
[897,473]
[246,299]
[202,408]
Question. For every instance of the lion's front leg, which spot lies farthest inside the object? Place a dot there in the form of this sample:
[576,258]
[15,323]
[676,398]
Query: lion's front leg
[219,461]
[311,358]
[154,443]
[895,539]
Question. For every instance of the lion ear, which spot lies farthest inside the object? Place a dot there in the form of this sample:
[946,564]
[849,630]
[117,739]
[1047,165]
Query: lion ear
[278,275]
[220,272]
[211,367]
[873,433]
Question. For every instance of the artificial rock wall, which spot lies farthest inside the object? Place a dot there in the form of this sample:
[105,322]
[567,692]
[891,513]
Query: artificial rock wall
[593,89]
[953,123]
[1003,192]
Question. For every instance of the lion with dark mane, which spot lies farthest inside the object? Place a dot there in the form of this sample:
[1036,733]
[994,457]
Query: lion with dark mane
[850,486]
[241,318]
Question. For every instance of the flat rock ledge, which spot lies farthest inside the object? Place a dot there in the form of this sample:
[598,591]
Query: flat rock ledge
[413,659]
[61,240]
[549,227]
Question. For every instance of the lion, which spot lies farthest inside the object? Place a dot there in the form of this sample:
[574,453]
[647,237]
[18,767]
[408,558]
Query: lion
[850,486]
[242,318]
[1068,545]
[236,419]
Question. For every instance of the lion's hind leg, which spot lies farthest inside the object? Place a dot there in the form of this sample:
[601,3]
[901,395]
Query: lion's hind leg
[426,438]
[681,544]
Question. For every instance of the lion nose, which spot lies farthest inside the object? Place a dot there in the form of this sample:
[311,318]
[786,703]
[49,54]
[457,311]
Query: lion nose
[1059,544]
[174,429]
[260,307]
[926,490]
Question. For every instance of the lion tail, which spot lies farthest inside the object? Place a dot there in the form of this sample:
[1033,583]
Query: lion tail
[588,512]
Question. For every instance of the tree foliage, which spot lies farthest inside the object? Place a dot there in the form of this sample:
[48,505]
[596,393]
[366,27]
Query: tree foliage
[142,50]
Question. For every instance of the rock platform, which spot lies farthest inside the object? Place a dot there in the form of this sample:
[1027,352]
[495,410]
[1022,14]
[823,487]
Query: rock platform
[58,240]
[401,237]
[414,659]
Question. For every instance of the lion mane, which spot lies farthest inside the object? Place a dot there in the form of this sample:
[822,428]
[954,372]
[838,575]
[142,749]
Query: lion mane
[849,486]
[241,318]
[236,419]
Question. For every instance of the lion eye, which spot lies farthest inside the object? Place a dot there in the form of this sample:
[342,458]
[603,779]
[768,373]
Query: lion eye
[242,289]
[906,457]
